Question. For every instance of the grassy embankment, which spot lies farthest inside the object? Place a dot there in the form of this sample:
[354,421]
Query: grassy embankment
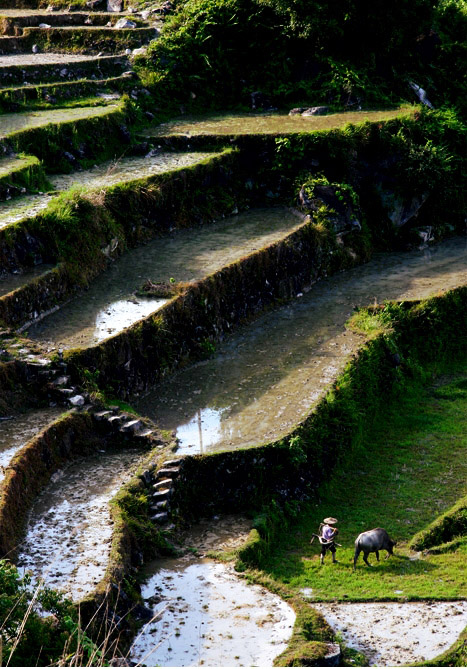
[410,468]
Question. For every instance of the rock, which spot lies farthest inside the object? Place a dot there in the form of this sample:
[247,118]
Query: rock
[149,115]
[71,159]
[124,23]
[127,52]
[421,94]
[131,425]
[125,134]
[35,49]
[160,518]
[296,111]
[146,14]
[93,4]
[114,5]
[44,25]
[342,212]
[161,485]
[141,51]
[402,211]
[77,400]
[63,72]
[315,111]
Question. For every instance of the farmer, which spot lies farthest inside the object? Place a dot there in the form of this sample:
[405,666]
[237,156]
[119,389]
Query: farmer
[326,535]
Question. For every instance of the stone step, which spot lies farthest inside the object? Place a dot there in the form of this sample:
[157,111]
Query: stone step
[56,5]
[20,174]
[160,506]
[23,69]
[161,485]
[173,463]
[102,415]
[89,39]
[131,426]
[160,518]
[101,176]
[168,472]
[161,495]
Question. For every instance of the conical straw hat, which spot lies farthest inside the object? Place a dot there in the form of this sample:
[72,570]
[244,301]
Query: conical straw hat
[330,521]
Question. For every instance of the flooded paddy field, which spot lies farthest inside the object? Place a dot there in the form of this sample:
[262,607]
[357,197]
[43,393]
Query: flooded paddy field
[265,378]
[68,536]
[19,429]
[204,613]
[397,634]
[186,255]
[10,282]
[271,123]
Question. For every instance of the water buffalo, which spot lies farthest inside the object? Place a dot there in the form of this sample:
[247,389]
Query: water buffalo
[372,542]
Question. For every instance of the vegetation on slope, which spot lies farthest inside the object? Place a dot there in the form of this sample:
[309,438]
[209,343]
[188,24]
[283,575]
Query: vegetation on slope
[215,53]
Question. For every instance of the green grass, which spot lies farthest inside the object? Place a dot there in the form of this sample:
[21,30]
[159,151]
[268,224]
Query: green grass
[410,469]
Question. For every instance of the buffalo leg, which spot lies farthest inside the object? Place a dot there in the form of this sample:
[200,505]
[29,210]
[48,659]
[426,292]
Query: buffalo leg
[365,558]
[377,555]
[355,557]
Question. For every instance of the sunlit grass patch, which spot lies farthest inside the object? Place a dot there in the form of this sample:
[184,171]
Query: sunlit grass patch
[410,468]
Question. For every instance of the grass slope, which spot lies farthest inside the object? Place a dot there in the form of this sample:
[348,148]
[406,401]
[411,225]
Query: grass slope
[410,469]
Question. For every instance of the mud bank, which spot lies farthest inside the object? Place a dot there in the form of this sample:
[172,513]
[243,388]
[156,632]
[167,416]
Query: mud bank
[396,634]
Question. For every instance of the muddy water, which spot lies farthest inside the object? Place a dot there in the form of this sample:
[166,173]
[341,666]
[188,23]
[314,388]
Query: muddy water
[395,634]
[69,532]
[10,123]
[186,255]
[240,124]
[10,282]
[17,431]
[204,613]
[267,377]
